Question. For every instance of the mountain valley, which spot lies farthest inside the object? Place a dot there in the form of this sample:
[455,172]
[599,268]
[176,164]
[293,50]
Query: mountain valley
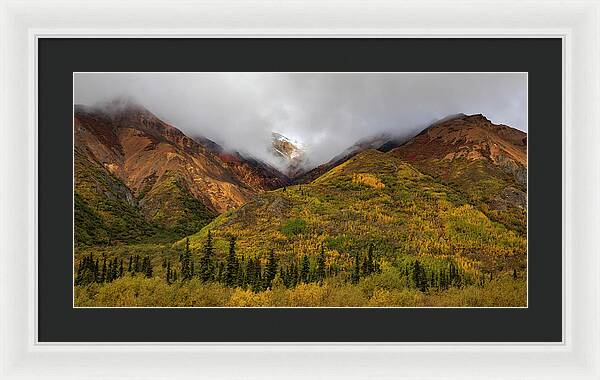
[450,202]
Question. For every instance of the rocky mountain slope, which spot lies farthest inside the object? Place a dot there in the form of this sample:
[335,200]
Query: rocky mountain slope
[173,181]
[374,197]
[360,146]
[485,161]
[290,153]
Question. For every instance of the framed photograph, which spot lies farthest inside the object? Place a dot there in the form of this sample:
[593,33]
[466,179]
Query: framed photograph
[352,211]
[375,193]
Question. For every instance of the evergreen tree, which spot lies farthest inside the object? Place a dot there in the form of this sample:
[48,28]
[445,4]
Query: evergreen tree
[241,274]
[168,272]
[232,266]
[320,270]
[138,264]
[186,262]
[86,270]
[250,273]
[270,269]
[419,276]
[148,269]
[514,274]
[115,269]
[254,275]
[293,274]
[304,270]
[369,266]
[220,273]
[121,269]
[103,273]
[129,265]
[207,270]
[356,271]
[108,277]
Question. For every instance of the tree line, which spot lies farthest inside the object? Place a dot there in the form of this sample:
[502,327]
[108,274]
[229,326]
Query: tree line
[92,270]
[258,274]
[251,273]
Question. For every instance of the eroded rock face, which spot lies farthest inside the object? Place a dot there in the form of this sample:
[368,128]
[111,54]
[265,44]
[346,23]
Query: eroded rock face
[472,137]
[510,197]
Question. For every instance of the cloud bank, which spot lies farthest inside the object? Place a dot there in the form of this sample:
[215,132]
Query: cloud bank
[326,112]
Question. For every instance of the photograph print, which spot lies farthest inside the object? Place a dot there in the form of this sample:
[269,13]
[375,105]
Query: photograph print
[300,189]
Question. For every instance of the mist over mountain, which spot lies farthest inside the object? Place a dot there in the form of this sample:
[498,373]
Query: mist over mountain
[324,112]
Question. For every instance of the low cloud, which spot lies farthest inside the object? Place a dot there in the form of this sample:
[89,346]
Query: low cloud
[325,112]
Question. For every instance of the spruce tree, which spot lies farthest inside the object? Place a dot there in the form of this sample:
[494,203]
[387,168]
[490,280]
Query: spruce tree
[305,269]
[138,264]
[241,275]
[254,275]
[250,273]
[293,274]
[270,269]
[232,266]
[186,261]
[115,269]
[320,270]
[207,270]
[168,275]
[148,269]
[419,276]
[103,273]
[356,271]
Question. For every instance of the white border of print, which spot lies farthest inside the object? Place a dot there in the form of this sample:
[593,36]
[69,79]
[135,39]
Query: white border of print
[526,77]
[578,23]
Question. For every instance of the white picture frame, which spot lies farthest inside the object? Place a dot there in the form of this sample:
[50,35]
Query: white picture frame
[24,22]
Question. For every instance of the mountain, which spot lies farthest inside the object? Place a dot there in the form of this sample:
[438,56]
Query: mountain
[457,189]
[485,161]
[255,173]
[172,181]
[373,197]
[105,209]
[435,220]
[291,153]
[360,146]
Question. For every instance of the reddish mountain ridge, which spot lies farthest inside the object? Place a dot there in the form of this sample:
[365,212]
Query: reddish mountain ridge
[486,161]
[471,137]
[162,166]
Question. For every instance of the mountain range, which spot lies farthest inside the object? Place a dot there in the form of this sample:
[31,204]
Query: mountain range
[459,185]
[129,162]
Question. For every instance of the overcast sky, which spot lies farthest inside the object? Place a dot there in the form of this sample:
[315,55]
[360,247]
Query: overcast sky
[325,112]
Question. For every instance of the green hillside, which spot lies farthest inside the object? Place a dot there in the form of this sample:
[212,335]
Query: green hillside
[493,189]
[373,231]
[374,198]
[107,212]
[171,205]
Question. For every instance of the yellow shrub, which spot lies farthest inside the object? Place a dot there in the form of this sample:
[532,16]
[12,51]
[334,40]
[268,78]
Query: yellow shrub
[368,179]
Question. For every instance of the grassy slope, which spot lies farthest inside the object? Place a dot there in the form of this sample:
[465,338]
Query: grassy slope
[174,207]
[482,183]
[106,212]
[102,213]
[374,197]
